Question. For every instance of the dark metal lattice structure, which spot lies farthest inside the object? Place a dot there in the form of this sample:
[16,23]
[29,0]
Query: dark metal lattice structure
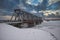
[25,17]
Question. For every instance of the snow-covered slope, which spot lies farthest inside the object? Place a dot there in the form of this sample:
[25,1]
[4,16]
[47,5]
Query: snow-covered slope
[50,26]
[8,32]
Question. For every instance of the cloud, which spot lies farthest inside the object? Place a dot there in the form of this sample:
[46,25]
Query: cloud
[32,2]
[21,6]
[52,1]
[29,1]
[33,11]
[40,1]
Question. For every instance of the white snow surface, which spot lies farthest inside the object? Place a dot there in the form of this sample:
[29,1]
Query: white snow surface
[51,27]
[8,32]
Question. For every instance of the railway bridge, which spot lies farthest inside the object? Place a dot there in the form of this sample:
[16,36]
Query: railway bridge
[22,18]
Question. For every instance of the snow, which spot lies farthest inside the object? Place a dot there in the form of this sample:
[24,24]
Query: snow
[51,27]
[8,32]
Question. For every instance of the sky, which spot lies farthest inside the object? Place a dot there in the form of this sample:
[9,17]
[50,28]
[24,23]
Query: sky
[34,2]
[10,5]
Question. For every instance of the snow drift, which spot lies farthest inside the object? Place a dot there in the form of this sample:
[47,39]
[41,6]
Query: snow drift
[8,32]
[52,27]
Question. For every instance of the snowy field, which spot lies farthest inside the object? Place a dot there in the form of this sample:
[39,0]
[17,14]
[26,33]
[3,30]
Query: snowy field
[51,27]
[46,31]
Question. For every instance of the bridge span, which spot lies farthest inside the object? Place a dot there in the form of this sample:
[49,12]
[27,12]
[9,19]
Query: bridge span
[21,17]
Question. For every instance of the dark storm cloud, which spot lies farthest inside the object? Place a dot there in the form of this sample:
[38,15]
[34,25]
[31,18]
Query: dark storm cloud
[1,3]
[8,4]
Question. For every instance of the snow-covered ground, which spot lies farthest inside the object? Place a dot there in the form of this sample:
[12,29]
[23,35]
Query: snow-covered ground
[8,32]
[51,27]
[46,31]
